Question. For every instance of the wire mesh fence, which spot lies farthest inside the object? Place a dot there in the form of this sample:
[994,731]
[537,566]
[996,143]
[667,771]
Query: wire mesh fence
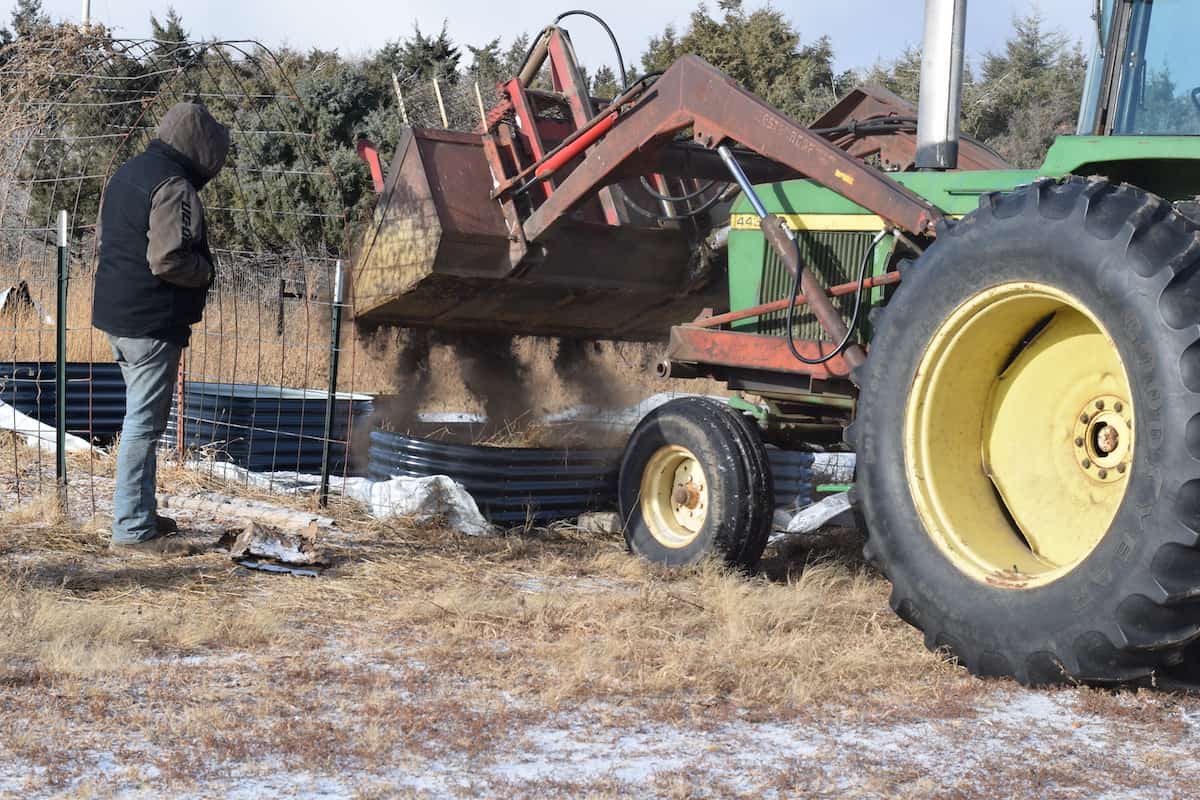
[255,382]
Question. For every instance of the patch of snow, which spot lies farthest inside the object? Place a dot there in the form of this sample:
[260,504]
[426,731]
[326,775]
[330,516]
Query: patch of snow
[36,434]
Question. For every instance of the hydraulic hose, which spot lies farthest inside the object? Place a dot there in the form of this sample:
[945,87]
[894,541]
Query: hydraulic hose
[576,12]
[850,327]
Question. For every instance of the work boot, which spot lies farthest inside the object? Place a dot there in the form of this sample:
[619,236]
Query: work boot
[164,546]
[162,525]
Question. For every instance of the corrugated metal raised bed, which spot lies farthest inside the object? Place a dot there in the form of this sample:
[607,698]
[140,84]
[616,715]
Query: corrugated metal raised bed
[95,395]
[511,485]
[266,428]
[515,484]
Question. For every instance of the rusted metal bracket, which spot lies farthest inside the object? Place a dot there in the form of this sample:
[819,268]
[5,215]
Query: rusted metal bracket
[865,124]
[695,345]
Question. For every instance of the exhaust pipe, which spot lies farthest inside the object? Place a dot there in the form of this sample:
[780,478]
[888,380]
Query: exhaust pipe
[940,103]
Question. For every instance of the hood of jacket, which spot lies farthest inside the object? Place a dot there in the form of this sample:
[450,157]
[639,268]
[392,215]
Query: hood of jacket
[190,130]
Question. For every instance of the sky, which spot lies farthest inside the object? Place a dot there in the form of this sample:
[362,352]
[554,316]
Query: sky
[863,31]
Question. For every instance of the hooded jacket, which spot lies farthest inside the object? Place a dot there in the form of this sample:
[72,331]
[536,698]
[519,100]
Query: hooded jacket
[155,264]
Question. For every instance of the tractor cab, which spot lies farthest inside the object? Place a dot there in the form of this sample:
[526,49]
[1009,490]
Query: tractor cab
[1144,75]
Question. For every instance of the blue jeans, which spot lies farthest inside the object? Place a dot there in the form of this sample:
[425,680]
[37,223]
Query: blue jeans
[150,367]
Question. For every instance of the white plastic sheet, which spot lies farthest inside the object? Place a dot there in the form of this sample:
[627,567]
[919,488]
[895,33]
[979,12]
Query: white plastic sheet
[421,498]
[426,498]
[36,434]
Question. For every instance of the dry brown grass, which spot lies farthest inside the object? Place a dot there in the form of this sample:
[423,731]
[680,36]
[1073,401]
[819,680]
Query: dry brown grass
[505,631]
[578,612]
[574,609]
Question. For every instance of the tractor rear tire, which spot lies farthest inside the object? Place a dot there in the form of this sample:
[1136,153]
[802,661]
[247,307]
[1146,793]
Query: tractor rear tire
[1028,437]
[694,483]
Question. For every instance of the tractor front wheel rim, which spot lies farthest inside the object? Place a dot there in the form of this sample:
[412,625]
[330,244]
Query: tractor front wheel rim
[674,496]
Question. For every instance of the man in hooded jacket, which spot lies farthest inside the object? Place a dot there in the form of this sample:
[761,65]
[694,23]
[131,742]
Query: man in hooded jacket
[152,282]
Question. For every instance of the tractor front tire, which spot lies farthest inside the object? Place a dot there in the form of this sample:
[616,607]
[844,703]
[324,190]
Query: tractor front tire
[1028,437]
[694,483]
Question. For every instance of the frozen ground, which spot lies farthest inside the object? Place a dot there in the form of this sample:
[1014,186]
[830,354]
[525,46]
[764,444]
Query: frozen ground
[1001,742]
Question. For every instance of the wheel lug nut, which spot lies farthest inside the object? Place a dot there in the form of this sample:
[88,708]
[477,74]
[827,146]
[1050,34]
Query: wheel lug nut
[1079,441]
[1118,407]
[1087,463]
[1100,405]
[1121,468]
[1083,417]
[1103,473]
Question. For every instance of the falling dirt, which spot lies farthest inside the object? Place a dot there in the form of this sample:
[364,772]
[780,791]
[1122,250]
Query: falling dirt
[413,374]
[514,381]
[492,372]
[581,365]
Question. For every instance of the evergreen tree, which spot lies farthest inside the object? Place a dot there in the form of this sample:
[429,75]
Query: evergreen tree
[487,66]
[171,35]
[902,76]
[170,30]
[761,50]
[426,56]
[604,84]
[1022,98]
[1028,94]
[514,56]
[28,16]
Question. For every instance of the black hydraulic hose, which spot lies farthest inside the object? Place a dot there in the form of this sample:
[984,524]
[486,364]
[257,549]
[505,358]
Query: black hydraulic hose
[625,83]
[695,212]
[869,126]
[650,190]
[611,37]
[850,328]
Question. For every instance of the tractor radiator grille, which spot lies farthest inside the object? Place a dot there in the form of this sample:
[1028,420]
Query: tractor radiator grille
[835,256]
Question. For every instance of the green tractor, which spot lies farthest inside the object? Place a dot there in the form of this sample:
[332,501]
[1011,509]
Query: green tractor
[1027,425]
[1027,422]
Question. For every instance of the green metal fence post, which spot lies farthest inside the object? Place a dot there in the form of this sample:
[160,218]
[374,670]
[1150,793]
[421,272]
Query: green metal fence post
[60,368]
[335,350]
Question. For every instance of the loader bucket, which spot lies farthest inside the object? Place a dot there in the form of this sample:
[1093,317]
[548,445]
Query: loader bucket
[436,255]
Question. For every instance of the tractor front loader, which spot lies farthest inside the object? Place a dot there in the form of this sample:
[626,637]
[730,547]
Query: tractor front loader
[1013,355]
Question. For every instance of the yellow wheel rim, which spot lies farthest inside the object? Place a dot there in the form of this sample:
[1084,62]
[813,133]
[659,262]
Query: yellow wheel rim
[674,496]
[1019,435]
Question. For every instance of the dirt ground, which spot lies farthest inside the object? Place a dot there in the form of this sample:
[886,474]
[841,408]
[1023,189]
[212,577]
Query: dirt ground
[543,664]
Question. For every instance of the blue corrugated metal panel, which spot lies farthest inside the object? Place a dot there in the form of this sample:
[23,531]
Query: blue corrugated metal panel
[792,471]
[95,395]
[510,484]
[267,428]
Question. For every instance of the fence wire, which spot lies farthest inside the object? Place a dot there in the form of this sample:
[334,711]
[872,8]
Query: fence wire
[74,106]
